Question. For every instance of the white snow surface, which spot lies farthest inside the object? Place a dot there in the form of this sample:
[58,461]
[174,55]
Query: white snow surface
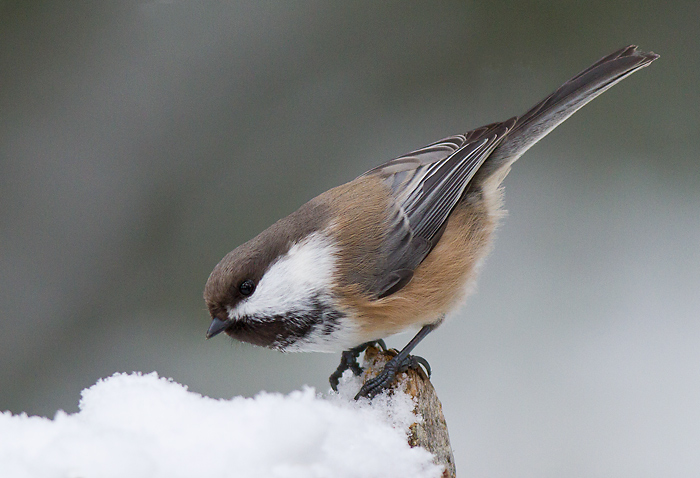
[140,425]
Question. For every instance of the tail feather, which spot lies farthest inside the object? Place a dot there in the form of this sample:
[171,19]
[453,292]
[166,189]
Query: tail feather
[565,101]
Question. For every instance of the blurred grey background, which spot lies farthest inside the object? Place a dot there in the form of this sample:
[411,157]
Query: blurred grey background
[140,142]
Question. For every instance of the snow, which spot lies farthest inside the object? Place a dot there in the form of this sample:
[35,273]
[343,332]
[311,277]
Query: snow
[141,425]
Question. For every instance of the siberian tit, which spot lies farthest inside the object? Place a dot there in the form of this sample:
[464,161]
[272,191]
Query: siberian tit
[398,247]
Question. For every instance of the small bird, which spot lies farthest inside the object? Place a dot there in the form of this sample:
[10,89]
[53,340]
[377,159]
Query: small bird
[397,248]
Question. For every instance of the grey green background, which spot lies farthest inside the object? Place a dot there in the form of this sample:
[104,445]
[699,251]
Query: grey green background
[140,142]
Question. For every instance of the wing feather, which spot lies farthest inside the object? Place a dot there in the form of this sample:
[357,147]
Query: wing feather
[426,185]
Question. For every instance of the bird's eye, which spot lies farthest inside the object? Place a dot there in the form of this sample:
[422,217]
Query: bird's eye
[247,287]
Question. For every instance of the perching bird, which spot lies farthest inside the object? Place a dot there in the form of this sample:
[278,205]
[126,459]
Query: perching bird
[398,247]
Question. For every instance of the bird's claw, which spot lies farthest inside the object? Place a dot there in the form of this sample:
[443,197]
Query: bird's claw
[386,377]
[348,361]
[414,362]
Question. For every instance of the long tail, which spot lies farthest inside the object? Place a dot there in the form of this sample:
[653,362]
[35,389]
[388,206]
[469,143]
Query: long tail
[557,107]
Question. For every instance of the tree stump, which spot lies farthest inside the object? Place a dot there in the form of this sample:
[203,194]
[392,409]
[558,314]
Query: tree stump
[431,433]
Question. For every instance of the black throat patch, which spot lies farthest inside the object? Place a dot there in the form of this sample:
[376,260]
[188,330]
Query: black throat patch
[313,321]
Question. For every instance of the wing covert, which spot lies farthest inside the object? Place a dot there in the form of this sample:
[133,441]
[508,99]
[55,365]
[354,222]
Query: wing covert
[426,185]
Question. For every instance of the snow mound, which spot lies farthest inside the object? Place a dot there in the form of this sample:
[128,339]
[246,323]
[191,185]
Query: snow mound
[144,426]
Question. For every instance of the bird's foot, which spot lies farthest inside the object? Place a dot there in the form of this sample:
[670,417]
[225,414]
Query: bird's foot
[386,377]
[348,361]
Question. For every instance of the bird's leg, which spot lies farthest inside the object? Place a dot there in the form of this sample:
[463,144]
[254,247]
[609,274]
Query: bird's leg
[400,363]
[348,360]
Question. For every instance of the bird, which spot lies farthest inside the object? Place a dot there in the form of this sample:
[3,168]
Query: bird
[397,248]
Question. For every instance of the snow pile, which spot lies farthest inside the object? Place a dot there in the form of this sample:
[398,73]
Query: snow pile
[145,426]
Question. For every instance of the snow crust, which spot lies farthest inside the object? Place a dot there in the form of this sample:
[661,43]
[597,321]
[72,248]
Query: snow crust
[140,425]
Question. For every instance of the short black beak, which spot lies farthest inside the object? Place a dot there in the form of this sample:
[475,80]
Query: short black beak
[217,326]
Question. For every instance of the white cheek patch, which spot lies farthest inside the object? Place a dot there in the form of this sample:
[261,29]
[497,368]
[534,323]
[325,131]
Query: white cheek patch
[306,270]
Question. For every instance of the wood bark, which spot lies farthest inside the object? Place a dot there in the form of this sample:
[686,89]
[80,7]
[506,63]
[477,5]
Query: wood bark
[431,432]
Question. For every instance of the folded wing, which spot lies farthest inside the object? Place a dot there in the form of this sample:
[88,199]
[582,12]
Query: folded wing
[426,184]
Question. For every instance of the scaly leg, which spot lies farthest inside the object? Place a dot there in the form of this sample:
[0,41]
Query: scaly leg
[402,362]
[348,360]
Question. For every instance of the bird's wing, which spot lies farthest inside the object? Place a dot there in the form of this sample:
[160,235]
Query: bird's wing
[426,184]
